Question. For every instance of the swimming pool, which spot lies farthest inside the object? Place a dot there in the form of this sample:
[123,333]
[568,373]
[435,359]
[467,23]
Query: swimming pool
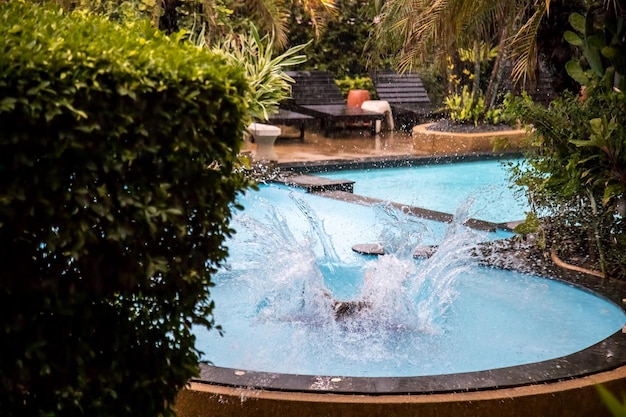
[291,246]
[443,187]
[292,256]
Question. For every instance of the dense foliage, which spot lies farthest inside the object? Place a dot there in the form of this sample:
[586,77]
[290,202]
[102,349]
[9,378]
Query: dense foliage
[356,83]
[340,49]
[576,176]
[462,108]
[263,68]
[117,152]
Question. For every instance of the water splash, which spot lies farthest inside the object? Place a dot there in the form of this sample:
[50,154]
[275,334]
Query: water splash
[396,292]
[281,270]
[317,230]
[402,232]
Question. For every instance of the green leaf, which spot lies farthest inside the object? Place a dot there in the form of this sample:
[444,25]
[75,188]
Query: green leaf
[594,58]
[610,52]
[575,71]
[573,38]
[7,104]
[596,42]
[578,22]
[611,192]
[123,91]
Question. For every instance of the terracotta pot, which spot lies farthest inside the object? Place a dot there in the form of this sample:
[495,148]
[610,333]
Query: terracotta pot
[357,97]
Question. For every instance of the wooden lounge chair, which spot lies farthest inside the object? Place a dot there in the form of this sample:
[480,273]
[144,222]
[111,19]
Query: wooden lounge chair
[315,94]
[291,118]
[406,95]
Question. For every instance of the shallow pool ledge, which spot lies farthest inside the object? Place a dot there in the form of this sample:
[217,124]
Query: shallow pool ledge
[571,398]
[449,143]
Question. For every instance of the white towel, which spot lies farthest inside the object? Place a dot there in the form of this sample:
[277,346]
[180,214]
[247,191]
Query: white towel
[380,106]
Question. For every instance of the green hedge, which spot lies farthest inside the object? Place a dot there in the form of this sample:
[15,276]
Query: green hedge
[117,152]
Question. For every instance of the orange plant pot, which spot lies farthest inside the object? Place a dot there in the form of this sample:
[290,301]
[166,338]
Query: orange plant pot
[357,97]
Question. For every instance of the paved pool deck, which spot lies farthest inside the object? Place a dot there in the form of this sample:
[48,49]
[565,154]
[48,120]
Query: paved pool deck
[357,143]
[347,144]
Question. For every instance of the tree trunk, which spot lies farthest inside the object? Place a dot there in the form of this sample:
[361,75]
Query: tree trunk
[168,21]
[498,69]
[476,86]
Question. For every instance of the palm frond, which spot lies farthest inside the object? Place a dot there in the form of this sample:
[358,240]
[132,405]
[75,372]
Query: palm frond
[319,11]
[524,47]
[270,16]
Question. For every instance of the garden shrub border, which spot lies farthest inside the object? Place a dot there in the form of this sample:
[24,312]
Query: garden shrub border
[118,171]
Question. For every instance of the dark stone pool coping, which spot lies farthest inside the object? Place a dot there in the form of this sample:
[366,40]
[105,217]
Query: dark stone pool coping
[604,356]
[607,355]
[308,167]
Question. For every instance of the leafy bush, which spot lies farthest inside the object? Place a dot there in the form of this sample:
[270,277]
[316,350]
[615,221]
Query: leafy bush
[462,109]
[577,168]
[356,83]
[575,174]
[340,48]
[117,151]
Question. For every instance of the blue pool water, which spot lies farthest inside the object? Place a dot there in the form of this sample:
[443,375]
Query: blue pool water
[291,261]
[443,187]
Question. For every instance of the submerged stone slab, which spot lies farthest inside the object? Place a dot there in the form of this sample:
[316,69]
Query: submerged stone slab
[425,251]
[369,249]
[317,184]
[422,251]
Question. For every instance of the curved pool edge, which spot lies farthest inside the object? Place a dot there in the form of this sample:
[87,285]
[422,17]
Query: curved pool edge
[572,398]
[561,386]
[601,357]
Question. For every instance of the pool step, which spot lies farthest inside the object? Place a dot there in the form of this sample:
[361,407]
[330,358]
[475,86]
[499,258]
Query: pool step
[344,190]
[314,184]
[413,211]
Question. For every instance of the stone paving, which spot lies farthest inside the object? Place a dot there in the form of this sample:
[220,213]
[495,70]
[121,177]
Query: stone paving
[357,143]
[346,144]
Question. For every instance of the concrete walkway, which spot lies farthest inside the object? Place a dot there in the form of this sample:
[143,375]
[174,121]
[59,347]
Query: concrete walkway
[346,144]
[357,143]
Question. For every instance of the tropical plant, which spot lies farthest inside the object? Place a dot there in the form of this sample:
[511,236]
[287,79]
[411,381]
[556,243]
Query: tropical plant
[217,18]
[575,172]
[601,39]
[271,17]
[265,72]
[419,32]
[463,108]
[340,49]
[469,105]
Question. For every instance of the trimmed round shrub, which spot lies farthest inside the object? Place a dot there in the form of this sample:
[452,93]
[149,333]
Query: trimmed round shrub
[118,172]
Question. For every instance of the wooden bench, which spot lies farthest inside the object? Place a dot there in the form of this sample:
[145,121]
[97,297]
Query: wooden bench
[405,93]
[315,94]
